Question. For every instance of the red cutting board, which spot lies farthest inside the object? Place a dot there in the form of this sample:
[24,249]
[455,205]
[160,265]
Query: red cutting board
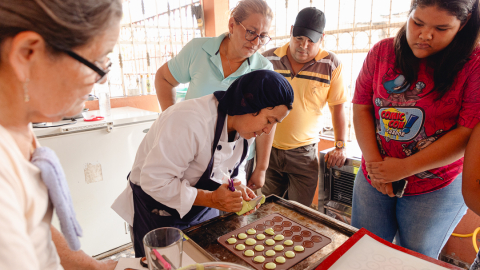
[377,261]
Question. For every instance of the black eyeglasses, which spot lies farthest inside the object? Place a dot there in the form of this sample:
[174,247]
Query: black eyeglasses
[252,35]
[102,73]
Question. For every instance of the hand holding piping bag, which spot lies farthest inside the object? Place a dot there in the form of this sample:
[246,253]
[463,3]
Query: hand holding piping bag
[227,180]
[226,198]
[248,207]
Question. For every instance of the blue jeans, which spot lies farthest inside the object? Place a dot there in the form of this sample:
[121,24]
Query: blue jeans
[422,223]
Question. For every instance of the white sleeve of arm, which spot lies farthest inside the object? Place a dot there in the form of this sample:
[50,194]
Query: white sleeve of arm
[16,248]
[177,143]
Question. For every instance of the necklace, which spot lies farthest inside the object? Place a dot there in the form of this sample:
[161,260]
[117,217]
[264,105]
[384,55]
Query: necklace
[228,60]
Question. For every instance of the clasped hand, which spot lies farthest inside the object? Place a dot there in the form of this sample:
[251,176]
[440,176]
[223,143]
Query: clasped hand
[387,171]
[383,173]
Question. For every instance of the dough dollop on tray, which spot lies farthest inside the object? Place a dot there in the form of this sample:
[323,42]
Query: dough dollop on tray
[299,248]
[231,241]
[270,253]
[259,247]
[259,259]
[260,236]
[270,231]
[240,247]
[270,242]
[270,265]
[290,254]
[250,241]
[249,253]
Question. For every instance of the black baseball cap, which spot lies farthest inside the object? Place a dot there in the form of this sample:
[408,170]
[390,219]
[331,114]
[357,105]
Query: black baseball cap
[310,22]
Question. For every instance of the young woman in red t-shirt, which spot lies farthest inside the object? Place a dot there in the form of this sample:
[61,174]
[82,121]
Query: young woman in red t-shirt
[415,105]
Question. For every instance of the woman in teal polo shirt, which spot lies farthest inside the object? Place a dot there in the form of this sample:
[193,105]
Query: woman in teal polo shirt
[212,64]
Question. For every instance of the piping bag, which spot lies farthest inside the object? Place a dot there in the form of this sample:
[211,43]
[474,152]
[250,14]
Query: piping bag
[246,206]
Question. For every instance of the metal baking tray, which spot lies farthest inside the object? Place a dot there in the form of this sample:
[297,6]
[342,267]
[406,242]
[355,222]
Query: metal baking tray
[204,235]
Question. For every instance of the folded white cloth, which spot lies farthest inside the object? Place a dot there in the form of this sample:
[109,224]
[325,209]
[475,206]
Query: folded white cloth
[54,178]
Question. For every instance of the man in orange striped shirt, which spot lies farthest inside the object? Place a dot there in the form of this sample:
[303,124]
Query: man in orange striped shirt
[316,77]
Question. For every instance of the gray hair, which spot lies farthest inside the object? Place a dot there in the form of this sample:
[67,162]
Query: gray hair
[245,8]
[63,24]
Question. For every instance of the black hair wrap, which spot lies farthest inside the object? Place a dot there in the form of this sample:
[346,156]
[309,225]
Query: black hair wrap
[255,91]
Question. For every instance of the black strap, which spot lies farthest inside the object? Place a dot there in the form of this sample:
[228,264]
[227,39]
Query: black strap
[205,182]
[244,154]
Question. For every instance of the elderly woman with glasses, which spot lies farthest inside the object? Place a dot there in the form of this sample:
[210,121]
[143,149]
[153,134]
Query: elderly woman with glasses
[52,52]
[211,64]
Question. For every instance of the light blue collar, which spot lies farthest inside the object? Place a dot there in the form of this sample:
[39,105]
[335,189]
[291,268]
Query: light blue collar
[213,44]
[212,47]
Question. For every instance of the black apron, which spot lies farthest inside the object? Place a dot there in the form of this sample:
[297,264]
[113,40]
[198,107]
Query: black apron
[144,220]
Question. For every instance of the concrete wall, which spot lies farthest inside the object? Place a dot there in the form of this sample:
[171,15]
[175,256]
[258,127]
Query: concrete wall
[216,17]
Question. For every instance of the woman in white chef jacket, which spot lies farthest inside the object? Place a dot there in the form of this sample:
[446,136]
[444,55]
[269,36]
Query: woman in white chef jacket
[176,177]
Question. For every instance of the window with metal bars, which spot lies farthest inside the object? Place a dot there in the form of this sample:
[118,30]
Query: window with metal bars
[152,32]
[352,28]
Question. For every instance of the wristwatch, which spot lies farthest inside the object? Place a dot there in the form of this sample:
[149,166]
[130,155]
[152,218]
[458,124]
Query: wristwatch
[340,144]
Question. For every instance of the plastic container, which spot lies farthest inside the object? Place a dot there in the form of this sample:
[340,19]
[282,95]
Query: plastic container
[148,85]
[104,104]
[143,85]
[104,100]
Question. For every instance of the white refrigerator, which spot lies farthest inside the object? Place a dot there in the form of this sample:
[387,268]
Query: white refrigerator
[96,158]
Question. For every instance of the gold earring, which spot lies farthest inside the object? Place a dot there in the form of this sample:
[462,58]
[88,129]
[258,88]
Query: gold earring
[25,90]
